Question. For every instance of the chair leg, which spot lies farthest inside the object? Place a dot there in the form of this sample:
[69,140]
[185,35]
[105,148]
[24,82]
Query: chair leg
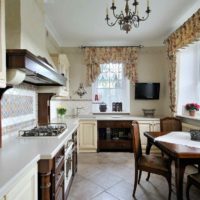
[140,173]
[188,189]
[136,180]
[170,186]
[148,176]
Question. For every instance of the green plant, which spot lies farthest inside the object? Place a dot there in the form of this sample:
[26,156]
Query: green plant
[192,106]
[61,111]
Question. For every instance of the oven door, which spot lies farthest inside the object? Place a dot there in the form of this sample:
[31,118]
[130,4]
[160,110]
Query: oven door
[68,165]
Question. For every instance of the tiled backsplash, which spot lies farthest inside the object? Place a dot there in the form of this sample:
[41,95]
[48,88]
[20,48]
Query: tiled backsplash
[71,105]
[19,108]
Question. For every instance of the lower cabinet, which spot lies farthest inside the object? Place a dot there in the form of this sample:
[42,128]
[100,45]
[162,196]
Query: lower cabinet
[115,135]
[26,188]
[145,126]
[88,136]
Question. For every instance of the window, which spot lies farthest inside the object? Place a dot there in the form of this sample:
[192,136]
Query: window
[188,76]
[111,86]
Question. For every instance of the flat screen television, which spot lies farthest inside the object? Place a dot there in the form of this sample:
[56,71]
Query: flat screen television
[148,91]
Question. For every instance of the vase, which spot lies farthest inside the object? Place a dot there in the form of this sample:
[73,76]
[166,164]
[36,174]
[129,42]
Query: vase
[192,113]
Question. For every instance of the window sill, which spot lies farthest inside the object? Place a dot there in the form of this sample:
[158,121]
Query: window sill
[196,118]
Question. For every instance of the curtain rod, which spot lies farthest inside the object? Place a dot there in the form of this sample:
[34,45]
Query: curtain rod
[136,46]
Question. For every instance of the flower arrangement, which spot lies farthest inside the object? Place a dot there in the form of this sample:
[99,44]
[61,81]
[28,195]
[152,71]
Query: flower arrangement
[192,106]
[61,111]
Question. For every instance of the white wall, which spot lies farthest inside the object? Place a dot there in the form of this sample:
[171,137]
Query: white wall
[152,67]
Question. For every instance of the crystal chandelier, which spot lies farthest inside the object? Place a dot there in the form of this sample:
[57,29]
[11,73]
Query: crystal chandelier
[128,18]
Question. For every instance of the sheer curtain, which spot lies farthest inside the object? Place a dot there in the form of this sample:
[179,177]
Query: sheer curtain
[188,83]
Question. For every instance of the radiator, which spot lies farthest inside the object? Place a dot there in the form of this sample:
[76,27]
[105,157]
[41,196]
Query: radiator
[188,127]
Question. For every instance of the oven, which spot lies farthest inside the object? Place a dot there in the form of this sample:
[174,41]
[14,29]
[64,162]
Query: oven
[68,165]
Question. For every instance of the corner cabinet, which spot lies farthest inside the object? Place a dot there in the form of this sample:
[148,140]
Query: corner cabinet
[26,188]
[2,45]
[145,126]
[62,63]
[87,136]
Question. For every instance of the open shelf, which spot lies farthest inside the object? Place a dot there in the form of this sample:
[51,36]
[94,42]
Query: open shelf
[115,136]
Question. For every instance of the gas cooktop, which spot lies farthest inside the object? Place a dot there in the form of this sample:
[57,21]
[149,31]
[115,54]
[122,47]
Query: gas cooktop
[50,130]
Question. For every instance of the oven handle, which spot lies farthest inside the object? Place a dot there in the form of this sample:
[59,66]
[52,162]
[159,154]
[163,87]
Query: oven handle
[68,165]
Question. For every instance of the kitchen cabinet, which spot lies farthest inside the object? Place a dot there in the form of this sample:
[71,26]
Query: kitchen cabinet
[88,136]
[62,64]
[2,46]
[115,135]
[2,198]
[148,125]
[51,177]
[26,188]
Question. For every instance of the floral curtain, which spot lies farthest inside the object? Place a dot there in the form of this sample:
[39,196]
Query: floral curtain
[96,56]
[186,34]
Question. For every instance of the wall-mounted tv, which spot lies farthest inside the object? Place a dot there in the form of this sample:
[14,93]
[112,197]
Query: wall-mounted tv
[148,91]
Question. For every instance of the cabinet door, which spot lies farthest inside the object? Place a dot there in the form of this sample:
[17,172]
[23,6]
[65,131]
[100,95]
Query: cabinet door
[2,45]
[144,126]
[156,126]
[26,188]
[88,136]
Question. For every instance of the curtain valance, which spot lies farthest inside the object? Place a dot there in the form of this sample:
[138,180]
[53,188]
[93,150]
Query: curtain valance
[96,56]
[186,34]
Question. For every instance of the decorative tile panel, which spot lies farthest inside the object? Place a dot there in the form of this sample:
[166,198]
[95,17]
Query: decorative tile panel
[16,105]
[19,108]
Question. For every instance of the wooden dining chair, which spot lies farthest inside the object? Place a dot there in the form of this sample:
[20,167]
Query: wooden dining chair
[169,124]
[149,163]
[192,179]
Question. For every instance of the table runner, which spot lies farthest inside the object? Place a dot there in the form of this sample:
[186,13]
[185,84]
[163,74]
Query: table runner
[178,137]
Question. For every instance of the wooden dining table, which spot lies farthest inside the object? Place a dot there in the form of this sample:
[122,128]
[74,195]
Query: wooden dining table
[181,154]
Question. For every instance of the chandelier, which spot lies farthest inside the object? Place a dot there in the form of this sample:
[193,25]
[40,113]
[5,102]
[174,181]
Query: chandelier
[128,18]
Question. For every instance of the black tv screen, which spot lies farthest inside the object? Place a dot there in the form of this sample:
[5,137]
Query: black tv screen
[147,91]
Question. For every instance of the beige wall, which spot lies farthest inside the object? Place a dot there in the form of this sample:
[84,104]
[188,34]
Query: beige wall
[25,27]
[152,67]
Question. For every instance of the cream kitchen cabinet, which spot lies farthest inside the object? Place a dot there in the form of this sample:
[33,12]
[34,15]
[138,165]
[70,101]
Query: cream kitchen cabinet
[2,45]
[62,63]
[148,125]
[26,187]
[87,136]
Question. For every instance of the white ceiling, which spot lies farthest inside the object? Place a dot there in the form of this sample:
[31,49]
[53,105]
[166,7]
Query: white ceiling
[82,22]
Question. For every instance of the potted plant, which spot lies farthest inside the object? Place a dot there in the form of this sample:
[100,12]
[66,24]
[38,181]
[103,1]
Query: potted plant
[61,111]
[192,108]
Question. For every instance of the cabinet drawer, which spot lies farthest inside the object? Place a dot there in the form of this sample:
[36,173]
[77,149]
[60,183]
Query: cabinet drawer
[114,124]
[115,145]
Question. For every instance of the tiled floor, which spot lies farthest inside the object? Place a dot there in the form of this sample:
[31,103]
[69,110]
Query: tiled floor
[110,176]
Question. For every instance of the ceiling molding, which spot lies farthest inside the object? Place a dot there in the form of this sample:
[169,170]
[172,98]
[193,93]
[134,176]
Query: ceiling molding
[53,31]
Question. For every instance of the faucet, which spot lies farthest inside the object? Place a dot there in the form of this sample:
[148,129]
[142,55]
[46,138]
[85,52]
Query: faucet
[78,110]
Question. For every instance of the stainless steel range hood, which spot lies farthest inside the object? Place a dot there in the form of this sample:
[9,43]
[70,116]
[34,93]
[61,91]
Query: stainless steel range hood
[38,71]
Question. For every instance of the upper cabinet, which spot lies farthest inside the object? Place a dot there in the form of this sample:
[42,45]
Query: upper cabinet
[62,63]
[2,45]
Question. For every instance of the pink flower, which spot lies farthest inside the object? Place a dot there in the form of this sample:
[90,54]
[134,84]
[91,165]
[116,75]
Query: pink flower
[192,106]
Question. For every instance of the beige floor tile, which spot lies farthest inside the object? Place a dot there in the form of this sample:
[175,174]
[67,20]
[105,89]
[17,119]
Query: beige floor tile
[122,191]
[84,190]
[104,196]
[105,179]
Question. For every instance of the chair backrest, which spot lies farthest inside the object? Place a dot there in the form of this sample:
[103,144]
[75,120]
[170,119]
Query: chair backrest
[170,124]
[137,149]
